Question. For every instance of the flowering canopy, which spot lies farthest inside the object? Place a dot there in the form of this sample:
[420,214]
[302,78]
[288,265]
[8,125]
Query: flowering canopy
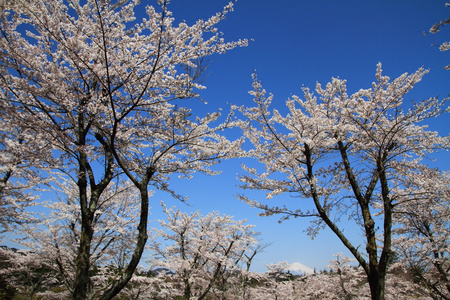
[354,155]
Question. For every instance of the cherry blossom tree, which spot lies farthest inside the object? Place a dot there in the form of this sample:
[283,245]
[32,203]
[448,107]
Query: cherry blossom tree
[142,286]
[104,90]
[350,154]
[339,283]
[56,236]
[350,279]
[343,280]
[27,271]
[205,252]
[423,242]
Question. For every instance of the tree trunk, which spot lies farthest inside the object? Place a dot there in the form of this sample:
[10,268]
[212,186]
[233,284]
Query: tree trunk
[82,278]
[187,289]
[377,285]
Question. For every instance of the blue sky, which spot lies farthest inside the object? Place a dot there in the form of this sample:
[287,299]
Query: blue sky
[298,43]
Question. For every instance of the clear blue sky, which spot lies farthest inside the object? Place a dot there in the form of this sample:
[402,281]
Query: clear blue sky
[300,42]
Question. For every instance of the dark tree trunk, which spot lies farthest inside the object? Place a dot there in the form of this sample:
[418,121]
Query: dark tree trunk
[377,285]
[82,278]
[88,207]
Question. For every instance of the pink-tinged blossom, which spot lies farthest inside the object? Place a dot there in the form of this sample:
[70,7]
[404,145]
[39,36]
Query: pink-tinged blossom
[358,157]
[208,254]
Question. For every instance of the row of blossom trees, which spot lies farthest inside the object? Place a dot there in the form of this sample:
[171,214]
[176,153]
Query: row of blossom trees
[91,109]
[202,254]
[190,276]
